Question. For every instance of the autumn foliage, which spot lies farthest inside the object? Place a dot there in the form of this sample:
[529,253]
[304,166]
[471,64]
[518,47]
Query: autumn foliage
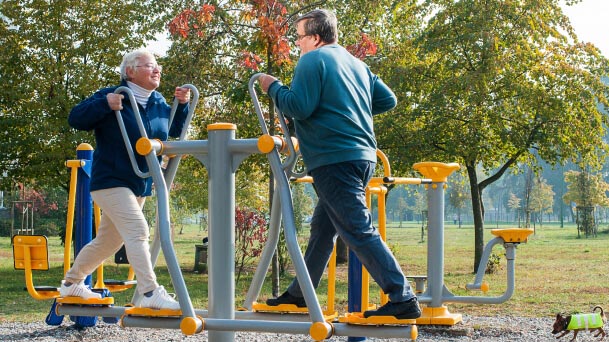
[271,18]
[364,48]
[31,199]
[191,22]
[267,18]
[250,229]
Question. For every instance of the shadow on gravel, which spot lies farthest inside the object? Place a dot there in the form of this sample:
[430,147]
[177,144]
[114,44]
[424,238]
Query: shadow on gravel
[65,333]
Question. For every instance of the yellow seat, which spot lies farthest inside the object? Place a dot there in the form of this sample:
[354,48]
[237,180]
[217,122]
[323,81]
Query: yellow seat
[513,235]
[30,252]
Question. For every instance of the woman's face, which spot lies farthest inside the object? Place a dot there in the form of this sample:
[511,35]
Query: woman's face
[147,73]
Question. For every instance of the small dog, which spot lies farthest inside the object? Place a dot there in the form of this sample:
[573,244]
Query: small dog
[592,321]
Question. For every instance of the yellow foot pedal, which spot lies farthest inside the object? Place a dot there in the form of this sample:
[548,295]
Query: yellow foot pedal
[358,318]
[147,312]
[282,308]
[82,301]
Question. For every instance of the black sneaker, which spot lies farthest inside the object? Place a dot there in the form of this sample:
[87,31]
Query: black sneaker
[400,310]
[287,298]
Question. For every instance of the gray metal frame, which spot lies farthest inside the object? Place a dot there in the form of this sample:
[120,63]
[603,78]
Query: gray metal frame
[222,154]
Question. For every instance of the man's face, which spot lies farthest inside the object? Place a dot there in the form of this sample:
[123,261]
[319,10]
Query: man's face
[305,42]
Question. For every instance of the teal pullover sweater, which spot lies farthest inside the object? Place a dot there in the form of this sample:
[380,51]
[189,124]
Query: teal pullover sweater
[332,99]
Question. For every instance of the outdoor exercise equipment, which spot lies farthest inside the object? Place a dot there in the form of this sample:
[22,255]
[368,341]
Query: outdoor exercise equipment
[436,295]
[221,154]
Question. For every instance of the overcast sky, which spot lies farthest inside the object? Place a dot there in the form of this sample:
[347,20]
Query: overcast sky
[591,23]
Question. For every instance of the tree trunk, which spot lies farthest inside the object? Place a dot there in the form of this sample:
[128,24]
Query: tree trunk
[478,213]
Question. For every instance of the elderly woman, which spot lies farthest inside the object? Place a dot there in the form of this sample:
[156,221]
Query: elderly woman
[115,187]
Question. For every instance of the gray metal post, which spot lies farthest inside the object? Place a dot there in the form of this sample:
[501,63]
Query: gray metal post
[221,228]
[435,251]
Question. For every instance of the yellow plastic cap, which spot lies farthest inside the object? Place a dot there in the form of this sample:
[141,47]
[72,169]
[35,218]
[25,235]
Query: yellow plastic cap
[221,126]
[266,144]
[143,146]
[84,147]
[320,331]
[191,325]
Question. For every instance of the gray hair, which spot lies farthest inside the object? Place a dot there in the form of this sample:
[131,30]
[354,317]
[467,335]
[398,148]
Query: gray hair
[321,22]
[131,60]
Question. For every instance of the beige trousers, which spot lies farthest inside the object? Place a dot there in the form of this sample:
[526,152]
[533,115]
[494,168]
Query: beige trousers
[122,221]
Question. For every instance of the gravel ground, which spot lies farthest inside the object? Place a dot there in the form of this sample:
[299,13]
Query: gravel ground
[482,329]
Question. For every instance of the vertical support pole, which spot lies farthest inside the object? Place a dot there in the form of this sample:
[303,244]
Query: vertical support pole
[435,250]
[435,312]
[354,290]
[83,229]
[83,232]
[221,228]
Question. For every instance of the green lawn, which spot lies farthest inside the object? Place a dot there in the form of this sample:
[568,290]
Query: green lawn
[555,271]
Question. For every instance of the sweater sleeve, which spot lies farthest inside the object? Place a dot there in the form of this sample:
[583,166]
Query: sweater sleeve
[178,121]
[383,98]
[88,113]
[301,100]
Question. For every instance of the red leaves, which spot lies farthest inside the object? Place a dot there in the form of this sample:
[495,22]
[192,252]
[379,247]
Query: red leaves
[250,231]
[250,60]
[271,19]
[191,22]
[31,199]
[364,48]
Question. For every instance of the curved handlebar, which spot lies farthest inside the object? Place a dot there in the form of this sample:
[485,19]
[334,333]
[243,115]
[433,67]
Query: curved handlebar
[140,123]
[289,163]
[193,104]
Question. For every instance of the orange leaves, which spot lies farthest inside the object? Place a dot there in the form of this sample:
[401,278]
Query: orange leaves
[365,47]
[190,21]
[262,23]
[271,19]
[250,60]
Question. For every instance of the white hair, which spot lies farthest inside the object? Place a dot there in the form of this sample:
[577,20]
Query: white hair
[131,60]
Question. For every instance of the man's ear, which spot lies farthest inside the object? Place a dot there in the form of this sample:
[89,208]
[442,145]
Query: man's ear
[318,41]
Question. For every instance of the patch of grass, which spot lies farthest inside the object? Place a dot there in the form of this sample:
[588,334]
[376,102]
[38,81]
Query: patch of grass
[555,272]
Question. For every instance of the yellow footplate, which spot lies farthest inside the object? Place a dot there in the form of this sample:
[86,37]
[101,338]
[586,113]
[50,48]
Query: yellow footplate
[358,318]
[82,301]
[133,311]
[290,309]
[282,308]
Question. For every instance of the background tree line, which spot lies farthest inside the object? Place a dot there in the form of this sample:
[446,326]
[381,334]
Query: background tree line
[497,86]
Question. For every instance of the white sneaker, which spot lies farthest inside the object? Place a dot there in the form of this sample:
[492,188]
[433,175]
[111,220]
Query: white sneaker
[160,299]
[77,290]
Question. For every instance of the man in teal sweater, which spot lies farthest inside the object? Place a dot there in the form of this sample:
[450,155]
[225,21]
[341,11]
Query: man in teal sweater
[332,99]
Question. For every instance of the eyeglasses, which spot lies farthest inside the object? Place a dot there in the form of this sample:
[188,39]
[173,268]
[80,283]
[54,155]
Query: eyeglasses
[299,37]
[151,66]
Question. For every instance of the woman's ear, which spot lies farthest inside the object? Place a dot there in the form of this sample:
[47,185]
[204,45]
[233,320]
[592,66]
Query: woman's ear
[130,72]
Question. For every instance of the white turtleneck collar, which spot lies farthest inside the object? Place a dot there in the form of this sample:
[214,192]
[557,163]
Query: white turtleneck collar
[141,94]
